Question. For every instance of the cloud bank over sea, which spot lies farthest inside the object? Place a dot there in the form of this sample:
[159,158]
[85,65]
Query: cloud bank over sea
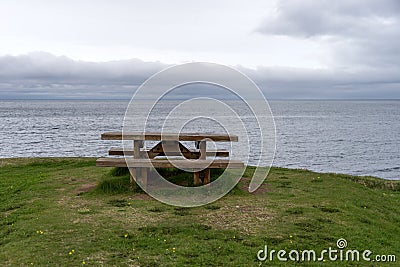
[41,75]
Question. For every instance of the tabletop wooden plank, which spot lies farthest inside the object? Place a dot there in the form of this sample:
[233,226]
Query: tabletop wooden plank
[157,136]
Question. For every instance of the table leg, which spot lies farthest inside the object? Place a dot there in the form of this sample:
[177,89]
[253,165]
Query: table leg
[132,172]
[144,177]
[206,176]
[202,145]
[196,177]
[137,172]
[137,144]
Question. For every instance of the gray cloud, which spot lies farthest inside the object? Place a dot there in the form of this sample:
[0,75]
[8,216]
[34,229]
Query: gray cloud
[41,66]
[292,83]
[42,75]
[310,18]
[360,33]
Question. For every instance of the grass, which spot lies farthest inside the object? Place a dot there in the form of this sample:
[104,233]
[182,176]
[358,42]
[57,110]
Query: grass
[66,212]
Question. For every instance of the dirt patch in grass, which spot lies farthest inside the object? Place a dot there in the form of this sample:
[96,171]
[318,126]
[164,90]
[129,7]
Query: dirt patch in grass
[244,186]
[85,188]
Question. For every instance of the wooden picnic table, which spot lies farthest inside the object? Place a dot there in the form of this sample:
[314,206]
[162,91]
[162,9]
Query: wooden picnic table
[170,144]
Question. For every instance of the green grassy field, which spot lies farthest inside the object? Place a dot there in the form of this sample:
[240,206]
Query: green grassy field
[67,212]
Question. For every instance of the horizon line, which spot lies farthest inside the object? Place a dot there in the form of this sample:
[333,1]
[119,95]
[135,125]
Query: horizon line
[268,99]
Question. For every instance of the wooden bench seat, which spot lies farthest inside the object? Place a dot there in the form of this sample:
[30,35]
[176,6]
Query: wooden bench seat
[117,151]
[141,165]
[159,163]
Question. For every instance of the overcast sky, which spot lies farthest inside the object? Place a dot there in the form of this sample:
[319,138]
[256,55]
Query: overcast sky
[291,49]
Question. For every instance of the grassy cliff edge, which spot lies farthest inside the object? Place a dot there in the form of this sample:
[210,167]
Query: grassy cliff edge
[66,211]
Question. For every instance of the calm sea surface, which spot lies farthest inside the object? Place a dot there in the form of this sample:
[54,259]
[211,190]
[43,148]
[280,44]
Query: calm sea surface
[354,137]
